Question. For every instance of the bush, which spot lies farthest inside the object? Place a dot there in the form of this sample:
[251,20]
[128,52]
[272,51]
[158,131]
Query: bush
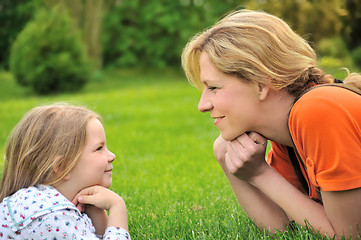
[333,47]
[356,56]
[331,63]
[49,55]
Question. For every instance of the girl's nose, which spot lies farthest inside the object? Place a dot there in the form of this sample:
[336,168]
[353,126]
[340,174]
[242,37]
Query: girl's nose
[204,104]
[111,156]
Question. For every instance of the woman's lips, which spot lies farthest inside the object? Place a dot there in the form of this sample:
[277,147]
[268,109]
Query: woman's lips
[217,120]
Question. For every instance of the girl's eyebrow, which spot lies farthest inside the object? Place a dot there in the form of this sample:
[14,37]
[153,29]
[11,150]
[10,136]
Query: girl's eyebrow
[100,142]
[205,82]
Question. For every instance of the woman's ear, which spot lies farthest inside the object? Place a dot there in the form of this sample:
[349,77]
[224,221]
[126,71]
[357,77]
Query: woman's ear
[263,90]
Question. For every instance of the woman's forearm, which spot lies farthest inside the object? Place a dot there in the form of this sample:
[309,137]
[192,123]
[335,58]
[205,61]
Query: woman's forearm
[258,207]
[295,204]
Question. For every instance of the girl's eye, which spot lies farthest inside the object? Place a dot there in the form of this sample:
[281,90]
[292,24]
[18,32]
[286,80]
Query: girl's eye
[99,148]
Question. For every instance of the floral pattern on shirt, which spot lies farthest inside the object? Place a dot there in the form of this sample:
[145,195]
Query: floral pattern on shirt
[41,212]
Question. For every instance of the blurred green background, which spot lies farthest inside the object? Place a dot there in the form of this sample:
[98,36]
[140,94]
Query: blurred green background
[108,34]
[121,58]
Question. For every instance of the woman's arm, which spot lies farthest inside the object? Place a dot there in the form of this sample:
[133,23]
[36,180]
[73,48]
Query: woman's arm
[341,210]
[295,204]
[258,207]
[340,214]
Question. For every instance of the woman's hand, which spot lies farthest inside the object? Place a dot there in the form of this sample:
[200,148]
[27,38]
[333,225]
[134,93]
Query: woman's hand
[258,207]
[245,156]
[220,149]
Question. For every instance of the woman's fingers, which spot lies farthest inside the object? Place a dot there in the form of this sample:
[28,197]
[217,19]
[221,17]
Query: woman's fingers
[245,154]
[257,138]
[233,165]
[250,139]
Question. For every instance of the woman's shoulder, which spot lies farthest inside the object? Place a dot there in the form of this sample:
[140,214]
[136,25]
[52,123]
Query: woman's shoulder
[330,93]
[327,101]
[326,111]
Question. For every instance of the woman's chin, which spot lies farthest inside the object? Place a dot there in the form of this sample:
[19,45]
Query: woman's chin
[231,136]
[228,137]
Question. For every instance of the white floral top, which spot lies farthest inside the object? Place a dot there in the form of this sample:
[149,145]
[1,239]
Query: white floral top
[41,212]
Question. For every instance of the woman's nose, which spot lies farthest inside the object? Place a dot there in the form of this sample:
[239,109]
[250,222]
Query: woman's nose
[204,104]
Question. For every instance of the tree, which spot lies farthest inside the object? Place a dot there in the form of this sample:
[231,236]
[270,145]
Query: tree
[87,16]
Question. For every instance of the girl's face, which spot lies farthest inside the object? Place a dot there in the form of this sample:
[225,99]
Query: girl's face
[232,103]
[95,164]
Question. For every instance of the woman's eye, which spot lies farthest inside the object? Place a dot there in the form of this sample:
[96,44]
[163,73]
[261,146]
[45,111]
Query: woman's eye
[99,148]
[212,88]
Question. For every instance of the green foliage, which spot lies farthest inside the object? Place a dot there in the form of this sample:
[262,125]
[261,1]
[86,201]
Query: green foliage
[153,33]
[333,47]
[48,54]
[352,23]
[312,19]
[318,19]
[330,62]
[14,14]
[356,56]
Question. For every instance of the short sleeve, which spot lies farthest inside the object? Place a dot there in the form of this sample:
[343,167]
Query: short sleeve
[116,233]
[325,127]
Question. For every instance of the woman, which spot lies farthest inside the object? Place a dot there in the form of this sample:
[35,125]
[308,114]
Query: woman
[251,68]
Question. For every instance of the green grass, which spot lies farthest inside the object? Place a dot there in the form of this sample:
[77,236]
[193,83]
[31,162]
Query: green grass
[165,169]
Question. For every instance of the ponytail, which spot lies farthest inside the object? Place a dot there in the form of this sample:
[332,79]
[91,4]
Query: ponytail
[353,79]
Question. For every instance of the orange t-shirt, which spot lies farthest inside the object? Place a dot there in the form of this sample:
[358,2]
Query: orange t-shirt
[325,125]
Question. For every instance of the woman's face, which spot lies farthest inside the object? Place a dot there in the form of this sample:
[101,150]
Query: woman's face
[232,103]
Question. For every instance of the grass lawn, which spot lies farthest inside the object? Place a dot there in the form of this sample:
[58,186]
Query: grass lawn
[165,169]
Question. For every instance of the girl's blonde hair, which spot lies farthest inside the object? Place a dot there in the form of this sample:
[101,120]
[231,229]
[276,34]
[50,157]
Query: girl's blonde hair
[47,139]
[260,48]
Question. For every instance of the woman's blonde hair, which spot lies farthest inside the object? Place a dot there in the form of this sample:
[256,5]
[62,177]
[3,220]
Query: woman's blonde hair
[47,139]
[257,47]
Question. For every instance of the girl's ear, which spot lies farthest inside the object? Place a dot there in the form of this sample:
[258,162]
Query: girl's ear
[56,169]
[67,177]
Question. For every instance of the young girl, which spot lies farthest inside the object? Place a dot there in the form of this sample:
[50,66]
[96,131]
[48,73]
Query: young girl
[252,68]
[56,178]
